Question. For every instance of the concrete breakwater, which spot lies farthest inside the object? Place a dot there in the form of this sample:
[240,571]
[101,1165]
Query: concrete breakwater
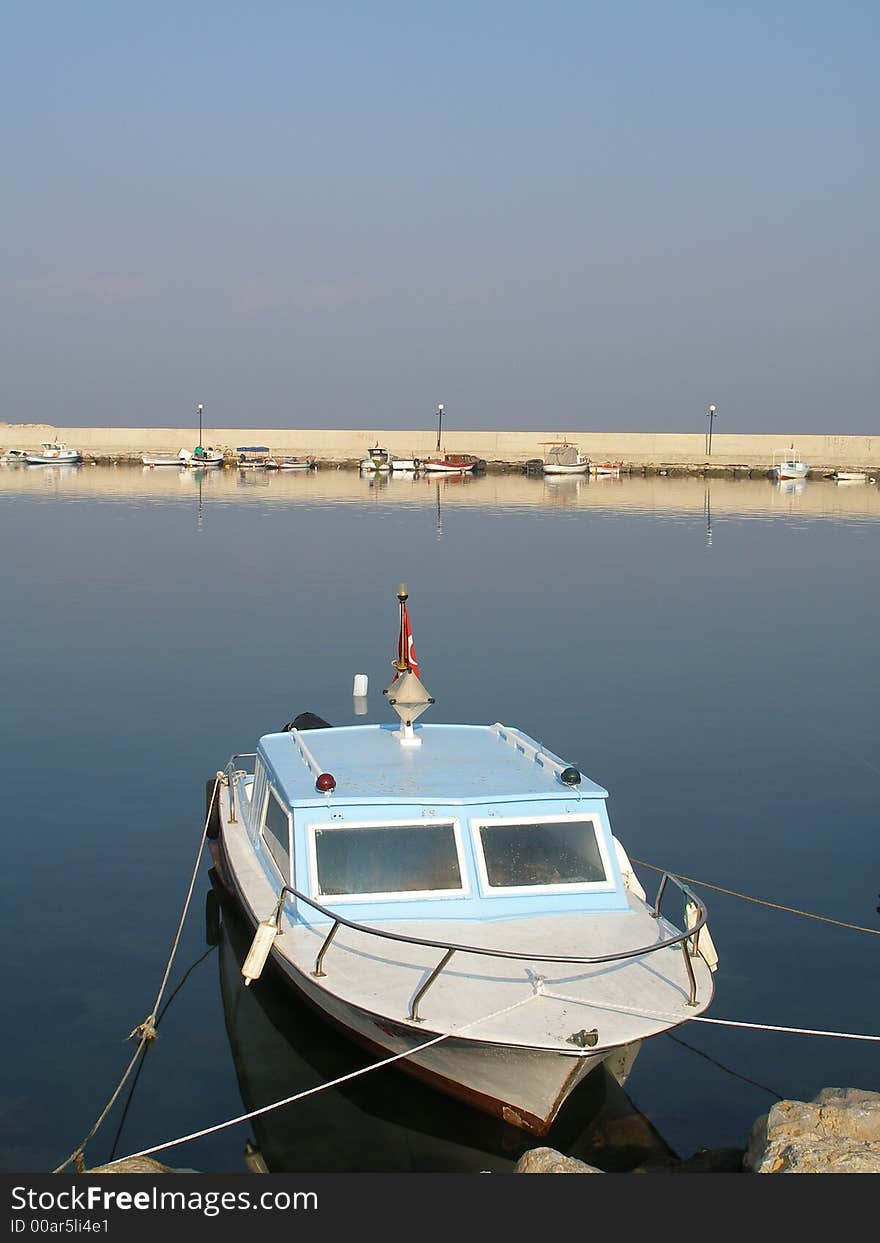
[639,451]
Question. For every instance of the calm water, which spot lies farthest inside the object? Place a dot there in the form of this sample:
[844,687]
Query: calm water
[709,655]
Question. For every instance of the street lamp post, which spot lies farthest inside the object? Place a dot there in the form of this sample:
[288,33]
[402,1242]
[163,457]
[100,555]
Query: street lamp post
[439,425]
[201,408]
[710,415]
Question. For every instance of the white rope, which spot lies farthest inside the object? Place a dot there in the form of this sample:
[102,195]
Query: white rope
[321,1087]
[797,1031]
[700,1018]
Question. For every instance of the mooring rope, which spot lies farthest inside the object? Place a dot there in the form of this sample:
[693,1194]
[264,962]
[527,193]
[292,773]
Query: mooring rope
[147,1030]
[143,1061]
[676,1019]
[331,1083]
[776,906]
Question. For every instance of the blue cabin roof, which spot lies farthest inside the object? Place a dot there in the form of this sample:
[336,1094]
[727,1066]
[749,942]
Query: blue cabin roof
[455,763]
[461,775]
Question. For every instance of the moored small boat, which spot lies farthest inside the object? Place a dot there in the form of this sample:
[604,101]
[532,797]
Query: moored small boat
[200,457]
[377,458]
[252,455]
[564,458]
[607,470]
[453,895]
[162,459]
[850,476]
[451,464]
[289,463]
[791,467]
[52,453]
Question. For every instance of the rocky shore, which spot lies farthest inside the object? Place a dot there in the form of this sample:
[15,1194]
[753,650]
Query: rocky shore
[837,1133]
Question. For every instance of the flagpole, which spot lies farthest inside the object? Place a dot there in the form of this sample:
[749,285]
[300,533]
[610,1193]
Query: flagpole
[402,597]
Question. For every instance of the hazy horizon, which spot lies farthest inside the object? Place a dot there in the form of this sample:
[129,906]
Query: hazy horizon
[566,216]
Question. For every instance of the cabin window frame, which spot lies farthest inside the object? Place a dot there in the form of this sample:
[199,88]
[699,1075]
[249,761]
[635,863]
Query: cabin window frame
[271,792]
[487,890]
[399,895]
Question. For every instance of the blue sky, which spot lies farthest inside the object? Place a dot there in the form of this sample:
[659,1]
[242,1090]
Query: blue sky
[544,215]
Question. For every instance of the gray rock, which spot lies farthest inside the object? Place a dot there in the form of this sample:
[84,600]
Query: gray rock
[837,1133]
[549,1161]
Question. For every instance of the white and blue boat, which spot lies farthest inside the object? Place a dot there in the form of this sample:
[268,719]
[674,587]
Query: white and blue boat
[53,453]
[453,896]
[791,467]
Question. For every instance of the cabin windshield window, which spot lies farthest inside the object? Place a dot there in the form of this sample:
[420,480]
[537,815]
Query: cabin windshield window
[276,834]
[387,859]
[545,853]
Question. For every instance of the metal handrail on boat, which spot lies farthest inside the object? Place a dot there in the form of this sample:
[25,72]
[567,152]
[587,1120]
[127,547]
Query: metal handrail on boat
[688,941]
[231,774]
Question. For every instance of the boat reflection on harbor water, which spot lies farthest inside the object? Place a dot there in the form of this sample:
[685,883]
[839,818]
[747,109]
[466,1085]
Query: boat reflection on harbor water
[791,487]
[384,1120]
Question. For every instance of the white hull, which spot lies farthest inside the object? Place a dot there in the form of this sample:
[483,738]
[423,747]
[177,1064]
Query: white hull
[159,459]
[441,468]
[566,470]
[39,459]
[506,1046]
[525,1086]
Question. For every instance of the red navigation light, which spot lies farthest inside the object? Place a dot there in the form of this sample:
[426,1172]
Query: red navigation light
[325,783]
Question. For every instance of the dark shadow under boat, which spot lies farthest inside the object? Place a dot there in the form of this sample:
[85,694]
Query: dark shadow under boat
[384,1120]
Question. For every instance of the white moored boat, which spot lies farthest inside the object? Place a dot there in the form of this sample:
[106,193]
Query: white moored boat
[454,894]
[201,457]
[791,467]
[378,458]
[52,453]
[563,458]
[162,459]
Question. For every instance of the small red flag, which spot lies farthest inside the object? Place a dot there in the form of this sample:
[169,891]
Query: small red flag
[406,651]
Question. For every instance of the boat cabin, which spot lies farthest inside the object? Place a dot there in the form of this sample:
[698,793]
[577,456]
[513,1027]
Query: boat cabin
[379,458]
[477,823]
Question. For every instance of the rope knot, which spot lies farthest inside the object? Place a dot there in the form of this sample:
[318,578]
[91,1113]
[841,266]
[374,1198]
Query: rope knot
[145,1031]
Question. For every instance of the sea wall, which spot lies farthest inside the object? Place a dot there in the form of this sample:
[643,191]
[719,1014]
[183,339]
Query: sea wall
[640,449]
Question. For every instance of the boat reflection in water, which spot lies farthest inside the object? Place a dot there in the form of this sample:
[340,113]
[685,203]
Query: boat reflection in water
[791,487]
[384,1121]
